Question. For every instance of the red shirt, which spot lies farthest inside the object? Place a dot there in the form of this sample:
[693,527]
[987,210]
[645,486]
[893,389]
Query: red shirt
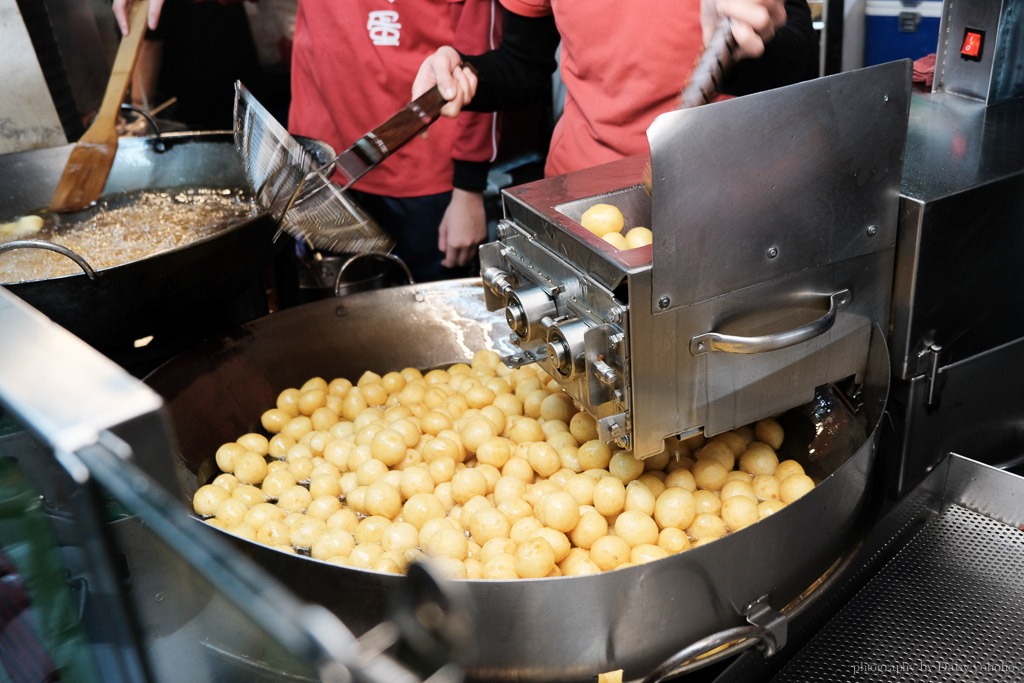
[623,63]
[353,64]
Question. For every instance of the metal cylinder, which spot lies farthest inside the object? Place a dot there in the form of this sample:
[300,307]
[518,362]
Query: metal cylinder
[565,347]
[525,311]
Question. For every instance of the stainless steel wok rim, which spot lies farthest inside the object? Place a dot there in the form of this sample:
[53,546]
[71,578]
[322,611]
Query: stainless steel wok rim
[796,514]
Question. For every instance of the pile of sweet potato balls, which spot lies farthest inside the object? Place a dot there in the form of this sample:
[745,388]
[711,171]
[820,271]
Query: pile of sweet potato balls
[491,472]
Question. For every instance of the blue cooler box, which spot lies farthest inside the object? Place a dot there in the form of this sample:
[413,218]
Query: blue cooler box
[898,30]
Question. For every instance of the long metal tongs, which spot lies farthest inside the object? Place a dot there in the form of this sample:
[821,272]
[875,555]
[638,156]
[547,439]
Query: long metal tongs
[705,79]
[715,62]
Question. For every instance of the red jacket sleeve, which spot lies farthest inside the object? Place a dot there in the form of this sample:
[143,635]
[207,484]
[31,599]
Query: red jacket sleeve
[477,29]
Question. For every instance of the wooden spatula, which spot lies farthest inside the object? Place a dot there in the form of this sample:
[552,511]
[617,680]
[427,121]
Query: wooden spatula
[86,171]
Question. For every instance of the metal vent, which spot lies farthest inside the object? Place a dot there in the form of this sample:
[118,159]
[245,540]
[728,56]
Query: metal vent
[948,607]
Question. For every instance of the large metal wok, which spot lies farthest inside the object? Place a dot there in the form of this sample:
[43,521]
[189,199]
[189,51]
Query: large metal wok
[561,629]
[176,297]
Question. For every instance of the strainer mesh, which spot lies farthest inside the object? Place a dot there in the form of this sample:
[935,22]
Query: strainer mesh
[280,170]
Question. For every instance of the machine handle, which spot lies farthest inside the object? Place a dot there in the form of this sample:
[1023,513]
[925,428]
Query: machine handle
[695,656]
[713,341]
[51,246]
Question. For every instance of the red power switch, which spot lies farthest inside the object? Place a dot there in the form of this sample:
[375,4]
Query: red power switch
[971,47]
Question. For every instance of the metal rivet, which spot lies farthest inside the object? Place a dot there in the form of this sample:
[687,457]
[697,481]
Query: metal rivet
[872,230]
[664,302]
[773,252]
[885,98]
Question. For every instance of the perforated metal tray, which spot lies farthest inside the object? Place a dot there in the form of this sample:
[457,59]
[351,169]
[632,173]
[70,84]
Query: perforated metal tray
[949,606]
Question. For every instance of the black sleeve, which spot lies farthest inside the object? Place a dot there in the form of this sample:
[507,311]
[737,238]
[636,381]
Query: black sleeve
[790,57]
[517,74]
[470,175]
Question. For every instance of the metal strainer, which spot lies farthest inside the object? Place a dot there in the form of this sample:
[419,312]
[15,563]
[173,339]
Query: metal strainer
[296,189]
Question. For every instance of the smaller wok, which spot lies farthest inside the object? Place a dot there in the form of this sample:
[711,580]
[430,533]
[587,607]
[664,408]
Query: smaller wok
[178,296]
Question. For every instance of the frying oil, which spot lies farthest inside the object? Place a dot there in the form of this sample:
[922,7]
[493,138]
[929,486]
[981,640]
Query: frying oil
[126,228]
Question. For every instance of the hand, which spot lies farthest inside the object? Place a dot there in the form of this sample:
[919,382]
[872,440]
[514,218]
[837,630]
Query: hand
[754,22]
[444,69]
[463,228]
[121,8]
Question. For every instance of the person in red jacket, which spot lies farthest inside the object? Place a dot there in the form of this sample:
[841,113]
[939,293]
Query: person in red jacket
[353,64]
[622,64]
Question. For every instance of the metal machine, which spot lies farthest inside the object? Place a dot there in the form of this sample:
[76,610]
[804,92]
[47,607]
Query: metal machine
[958,312]
[766,273]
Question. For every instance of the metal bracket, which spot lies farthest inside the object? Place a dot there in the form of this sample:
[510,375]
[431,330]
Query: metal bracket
[761,613]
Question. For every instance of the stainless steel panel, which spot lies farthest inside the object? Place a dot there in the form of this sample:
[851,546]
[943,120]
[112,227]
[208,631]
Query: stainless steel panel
[955,144]
[776,182]
[719,391]
[958,280]
[73,415]
[979,414]
[986,490]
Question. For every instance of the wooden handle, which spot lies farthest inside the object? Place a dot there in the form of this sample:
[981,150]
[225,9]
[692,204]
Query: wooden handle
[121,73]
[405,125]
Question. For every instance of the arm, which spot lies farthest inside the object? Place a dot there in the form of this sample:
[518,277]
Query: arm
[477,28]
[463,228]
[121,8]
[513,76]
[518,73]
[776,44]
